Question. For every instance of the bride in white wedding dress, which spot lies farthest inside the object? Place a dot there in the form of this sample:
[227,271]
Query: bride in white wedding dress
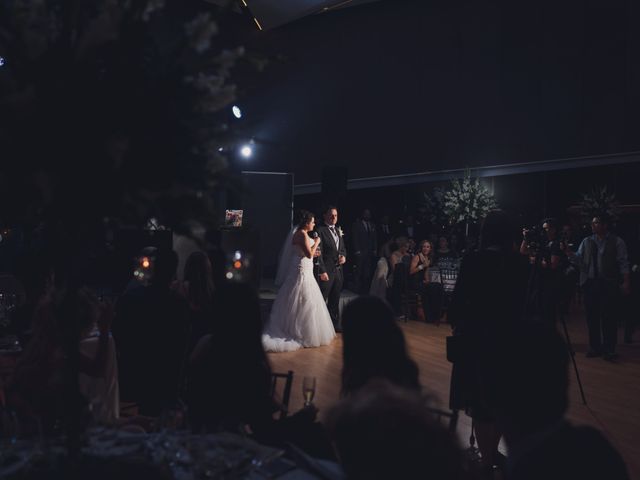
[299,316]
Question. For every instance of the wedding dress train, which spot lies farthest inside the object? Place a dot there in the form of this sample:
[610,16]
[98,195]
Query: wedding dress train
[299,316]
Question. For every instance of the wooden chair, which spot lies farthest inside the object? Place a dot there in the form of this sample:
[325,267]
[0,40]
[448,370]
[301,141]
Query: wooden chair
[406,298]
[286,390]
[412,309]
[450,416]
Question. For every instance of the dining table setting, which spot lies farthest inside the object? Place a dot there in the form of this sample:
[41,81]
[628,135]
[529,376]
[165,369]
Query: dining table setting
[168,454]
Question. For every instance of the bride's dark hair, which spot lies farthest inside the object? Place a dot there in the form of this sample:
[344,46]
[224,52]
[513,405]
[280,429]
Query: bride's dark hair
[304,217]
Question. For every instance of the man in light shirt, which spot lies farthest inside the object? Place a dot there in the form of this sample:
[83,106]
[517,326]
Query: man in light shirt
[604,274]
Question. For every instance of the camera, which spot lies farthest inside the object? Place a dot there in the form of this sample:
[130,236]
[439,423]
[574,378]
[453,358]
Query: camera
[534,237]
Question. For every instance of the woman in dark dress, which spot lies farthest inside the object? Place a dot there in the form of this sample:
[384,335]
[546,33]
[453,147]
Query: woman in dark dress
[487,305]
[421,271]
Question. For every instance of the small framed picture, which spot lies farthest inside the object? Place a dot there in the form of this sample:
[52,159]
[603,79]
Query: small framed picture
[233,218]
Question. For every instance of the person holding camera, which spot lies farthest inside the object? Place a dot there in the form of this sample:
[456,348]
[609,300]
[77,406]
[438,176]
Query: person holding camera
[604,274]
[548,260]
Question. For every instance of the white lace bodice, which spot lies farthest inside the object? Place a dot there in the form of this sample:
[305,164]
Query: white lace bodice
[299,257]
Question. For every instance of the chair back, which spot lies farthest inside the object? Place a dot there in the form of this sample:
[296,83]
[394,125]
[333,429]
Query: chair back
[450,416]
[287,378]
[449,268]
[404,294]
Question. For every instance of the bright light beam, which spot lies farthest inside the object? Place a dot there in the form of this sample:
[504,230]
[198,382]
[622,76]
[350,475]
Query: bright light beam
[246,151]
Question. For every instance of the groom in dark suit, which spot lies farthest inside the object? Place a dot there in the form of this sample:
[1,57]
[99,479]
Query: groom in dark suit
[330,263]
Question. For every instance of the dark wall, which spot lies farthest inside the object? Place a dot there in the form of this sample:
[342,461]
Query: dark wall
[529,197]
[403,86]
[267,203]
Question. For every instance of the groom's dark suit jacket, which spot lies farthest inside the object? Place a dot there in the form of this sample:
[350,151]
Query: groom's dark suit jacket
[328,260]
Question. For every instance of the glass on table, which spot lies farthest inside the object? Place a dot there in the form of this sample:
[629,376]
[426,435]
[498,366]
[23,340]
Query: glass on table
[308,390]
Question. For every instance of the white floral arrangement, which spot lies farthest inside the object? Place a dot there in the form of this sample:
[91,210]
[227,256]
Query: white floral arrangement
[597,202]
[340,232]
[467,201]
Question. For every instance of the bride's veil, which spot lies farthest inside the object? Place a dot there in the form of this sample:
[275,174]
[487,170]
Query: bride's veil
[285,257]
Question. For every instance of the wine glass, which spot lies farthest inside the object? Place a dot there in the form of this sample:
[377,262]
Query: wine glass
[308,389]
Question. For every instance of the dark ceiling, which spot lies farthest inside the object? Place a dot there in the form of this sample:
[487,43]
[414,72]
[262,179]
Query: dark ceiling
[398,86]
[274,13]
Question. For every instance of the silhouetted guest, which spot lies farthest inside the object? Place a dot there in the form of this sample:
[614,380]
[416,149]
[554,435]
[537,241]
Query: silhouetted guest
[198,288]
[151,331]
[401,251]
[384,229]
[411,248]
[229,380]
[365,241]
[37,276]
[548,264]
[48,369]
[568,236]
[631,307]
[374,347]
[569,279]
[229,374]
[384,431]
[529,395]
[489,297]
[399,272]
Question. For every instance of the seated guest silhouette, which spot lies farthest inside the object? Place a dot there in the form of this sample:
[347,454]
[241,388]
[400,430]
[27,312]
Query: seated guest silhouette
[374,347]
[530,409]
[151,331]
[197,287]
[384,431]
[399,273]
[41,384]
[229,379]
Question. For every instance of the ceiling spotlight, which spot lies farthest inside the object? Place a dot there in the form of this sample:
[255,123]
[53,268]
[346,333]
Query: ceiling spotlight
[246,151]
[1,61]
[236,111]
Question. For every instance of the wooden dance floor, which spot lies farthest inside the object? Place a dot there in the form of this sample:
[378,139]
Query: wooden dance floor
[612,389]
